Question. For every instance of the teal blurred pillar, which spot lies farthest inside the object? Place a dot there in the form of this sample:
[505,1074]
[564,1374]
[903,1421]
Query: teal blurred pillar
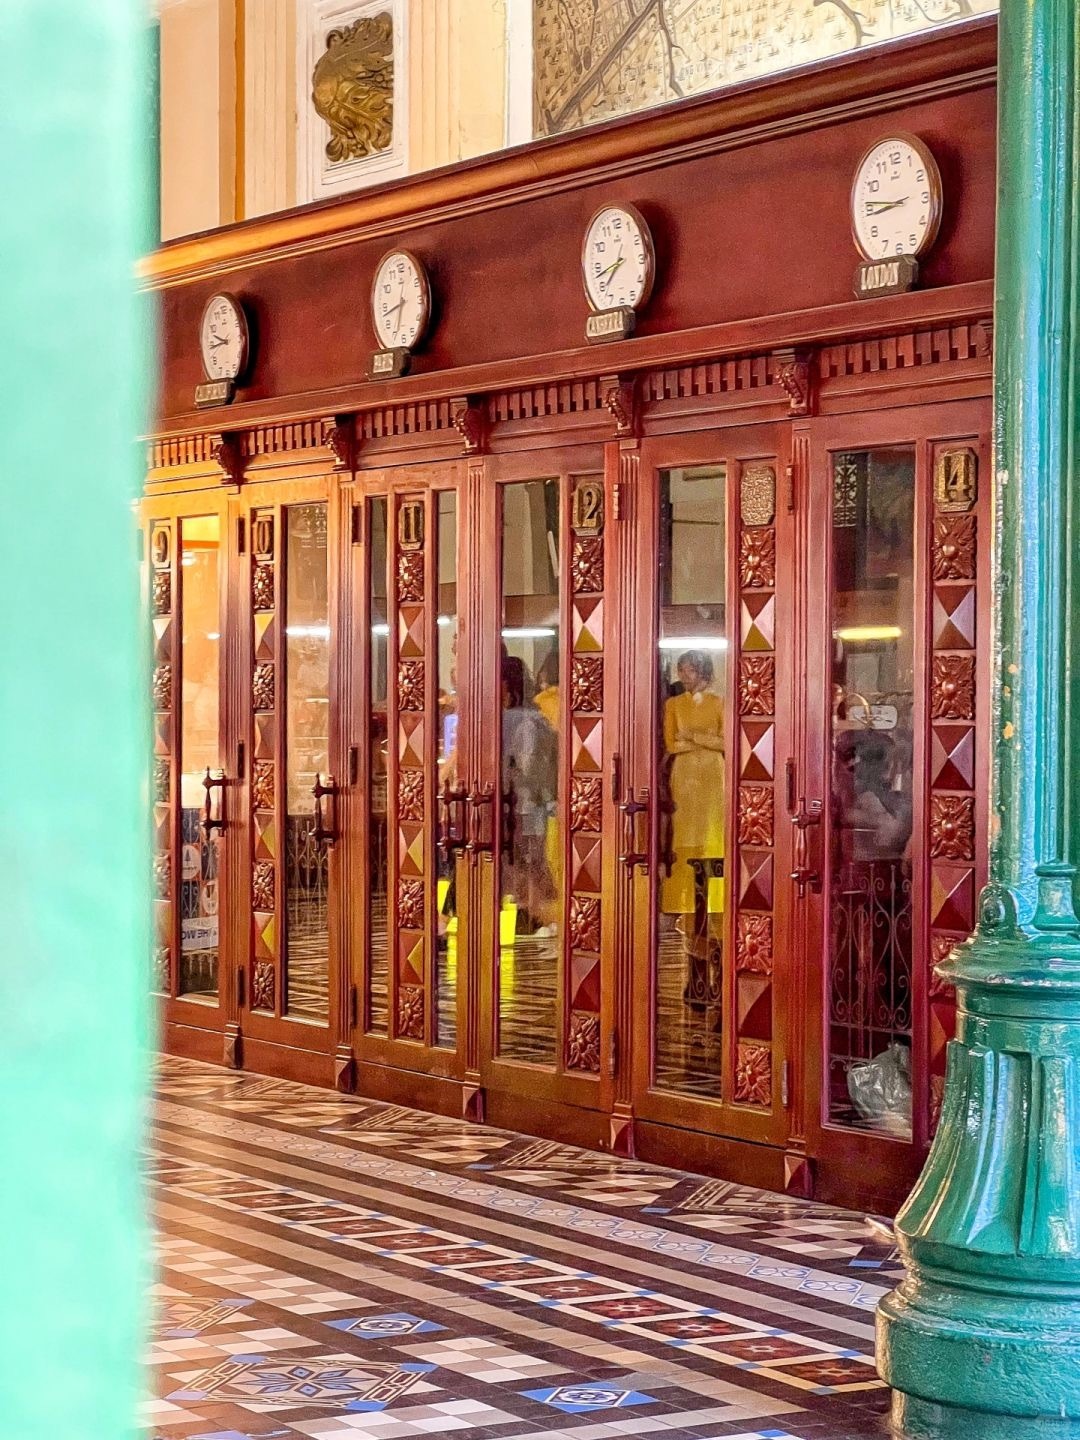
[983,1337]
[73,857]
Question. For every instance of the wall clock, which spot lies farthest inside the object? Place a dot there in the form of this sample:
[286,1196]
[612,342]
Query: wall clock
[896,203]
[400,311]
[224,339]
[618,266]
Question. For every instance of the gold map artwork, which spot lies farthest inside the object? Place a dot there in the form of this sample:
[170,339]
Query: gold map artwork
[593,59]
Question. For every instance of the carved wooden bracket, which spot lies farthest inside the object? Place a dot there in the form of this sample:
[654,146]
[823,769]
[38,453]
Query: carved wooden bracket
[339,437]
[794,376]
[984,339]
[470,421]
[226,455]
[619,396]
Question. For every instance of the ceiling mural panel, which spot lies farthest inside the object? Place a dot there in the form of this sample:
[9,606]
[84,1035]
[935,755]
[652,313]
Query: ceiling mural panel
[595,59]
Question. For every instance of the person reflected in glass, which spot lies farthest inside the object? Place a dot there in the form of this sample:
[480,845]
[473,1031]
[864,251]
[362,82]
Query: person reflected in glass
[693,889]
[530,764]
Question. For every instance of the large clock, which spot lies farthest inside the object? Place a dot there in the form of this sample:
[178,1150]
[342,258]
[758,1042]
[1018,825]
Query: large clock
[223,337]
[617,259]
[400,301]
[896,199]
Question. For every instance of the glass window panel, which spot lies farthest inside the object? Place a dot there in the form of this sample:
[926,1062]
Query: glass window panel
[530,914]
[446,948]
[870,920]
[691,742]
[307,721]
[377,1012]
[200,559]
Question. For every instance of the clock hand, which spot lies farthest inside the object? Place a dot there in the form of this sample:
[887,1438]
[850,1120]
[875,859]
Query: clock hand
[880,206]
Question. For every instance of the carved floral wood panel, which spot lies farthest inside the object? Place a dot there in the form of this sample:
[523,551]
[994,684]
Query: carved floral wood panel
[410,625]
[164,627]
[263,721]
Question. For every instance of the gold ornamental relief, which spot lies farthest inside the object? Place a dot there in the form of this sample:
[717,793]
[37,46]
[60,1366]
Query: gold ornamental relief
[352,88]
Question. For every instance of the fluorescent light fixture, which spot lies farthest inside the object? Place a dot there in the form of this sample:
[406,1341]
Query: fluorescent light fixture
[692,642]
[529,632]
[381,629]
[853,634]
[213,635]
[443,621]
[309,632]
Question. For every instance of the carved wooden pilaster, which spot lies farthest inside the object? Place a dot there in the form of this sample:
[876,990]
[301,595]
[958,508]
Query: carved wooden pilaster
[620,400]
[470,421]
[794,375]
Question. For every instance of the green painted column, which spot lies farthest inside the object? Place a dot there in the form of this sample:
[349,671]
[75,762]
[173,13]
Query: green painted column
[982,1339]
[73,734]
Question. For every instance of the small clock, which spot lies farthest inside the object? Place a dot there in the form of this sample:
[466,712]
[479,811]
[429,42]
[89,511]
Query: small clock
[400,309]
[223,336]
[618,265]
[896,199]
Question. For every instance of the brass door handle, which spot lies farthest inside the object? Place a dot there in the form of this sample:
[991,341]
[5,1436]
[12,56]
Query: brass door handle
[452,838]
[213,780]
[806,816]
[631,810]
[322,789]
[480,799]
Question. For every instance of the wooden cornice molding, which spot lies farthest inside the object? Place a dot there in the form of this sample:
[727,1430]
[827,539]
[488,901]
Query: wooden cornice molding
[960,58]
[826,325]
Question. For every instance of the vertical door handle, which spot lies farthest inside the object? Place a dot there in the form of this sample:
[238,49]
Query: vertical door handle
[806,875]
[453,820]
[213,780]
[632,809]
[479,800]
[325,789]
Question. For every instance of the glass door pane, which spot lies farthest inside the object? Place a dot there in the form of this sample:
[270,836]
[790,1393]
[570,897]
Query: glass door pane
[529,889]
[872,622]
[691,741]
[199,743]
[307,722]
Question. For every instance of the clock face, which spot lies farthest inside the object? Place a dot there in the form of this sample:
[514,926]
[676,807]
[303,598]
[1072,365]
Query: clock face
[896,199]
[224,338]
[400,300]
[617,261]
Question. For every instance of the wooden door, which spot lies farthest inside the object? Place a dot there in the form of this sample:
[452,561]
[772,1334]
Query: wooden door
[411,642]
[292,773]
[541,838]
[192,783]
[892,804]
[704,850]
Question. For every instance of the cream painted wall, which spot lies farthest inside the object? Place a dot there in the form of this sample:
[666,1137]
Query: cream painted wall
[457,79]
[198,115]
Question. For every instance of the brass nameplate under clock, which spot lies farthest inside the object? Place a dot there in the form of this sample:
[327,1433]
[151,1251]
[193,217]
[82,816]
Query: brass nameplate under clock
[887,277]
[387,364]
[214,392]
[610,324]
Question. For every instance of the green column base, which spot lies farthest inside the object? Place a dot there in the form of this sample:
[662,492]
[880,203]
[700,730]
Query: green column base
[915,1419]
[984,1333]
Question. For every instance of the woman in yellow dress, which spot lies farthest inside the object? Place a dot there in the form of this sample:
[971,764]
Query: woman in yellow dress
[694,737]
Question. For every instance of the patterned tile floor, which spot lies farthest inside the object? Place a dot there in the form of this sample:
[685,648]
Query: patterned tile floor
[337,1269]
